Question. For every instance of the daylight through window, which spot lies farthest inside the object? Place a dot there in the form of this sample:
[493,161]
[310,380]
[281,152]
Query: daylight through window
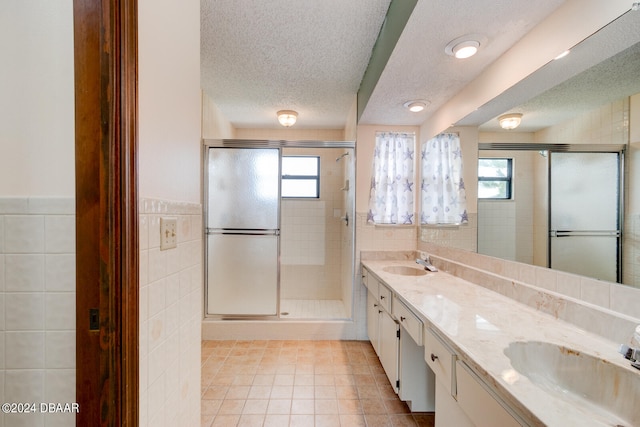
[495,178]
[301,176]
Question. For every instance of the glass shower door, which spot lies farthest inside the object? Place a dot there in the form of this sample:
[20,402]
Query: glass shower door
[243,231]
[584,236]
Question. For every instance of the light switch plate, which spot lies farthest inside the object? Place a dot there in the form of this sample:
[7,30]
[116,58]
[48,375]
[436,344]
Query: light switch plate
[168,233]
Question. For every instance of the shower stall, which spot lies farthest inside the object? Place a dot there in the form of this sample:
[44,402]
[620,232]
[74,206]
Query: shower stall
[306,269]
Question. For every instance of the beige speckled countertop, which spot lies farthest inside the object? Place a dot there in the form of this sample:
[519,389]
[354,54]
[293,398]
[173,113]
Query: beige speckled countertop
[479,324]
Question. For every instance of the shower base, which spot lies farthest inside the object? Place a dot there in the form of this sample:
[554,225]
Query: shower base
[312,309]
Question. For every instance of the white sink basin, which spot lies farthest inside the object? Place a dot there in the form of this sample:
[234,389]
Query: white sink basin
[606,391]
[404,270]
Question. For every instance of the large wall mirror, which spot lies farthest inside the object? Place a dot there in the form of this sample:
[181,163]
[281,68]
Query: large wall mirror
[576,112]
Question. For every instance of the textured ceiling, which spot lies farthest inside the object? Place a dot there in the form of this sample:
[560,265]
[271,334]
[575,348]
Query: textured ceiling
[601,69]
[258,57]
[419,67]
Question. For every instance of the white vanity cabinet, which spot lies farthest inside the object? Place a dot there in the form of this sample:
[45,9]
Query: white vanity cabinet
[389,340]
[462,399]
[399,348]
[479,403]
[382,328]
[417,381]
[442,361]
[373,321]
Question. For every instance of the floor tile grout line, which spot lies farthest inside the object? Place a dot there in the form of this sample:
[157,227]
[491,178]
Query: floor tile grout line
[348,350]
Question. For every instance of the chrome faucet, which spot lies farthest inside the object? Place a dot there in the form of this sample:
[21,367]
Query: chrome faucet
[632,353]
[426,264]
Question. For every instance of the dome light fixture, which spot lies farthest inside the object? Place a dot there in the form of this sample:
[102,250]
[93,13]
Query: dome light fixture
[510,121]
[465,46]
[415,106]
[287,118]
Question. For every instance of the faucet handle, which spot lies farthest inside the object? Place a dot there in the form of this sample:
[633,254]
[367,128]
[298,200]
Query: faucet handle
[629,353]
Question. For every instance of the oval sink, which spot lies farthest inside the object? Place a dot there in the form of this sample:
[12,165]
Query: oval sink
[404,270]
[607,391]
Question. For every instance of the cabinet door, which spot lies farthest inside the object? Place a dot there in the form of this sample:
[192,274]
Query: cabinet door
[389,348]
[477,402]
[448,413]
[373,316]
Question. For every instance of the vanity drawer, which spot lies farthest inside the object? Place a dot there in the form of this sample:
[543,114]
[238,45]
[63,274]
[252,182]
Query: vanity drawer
[441,359]
[384,294]
[408,320]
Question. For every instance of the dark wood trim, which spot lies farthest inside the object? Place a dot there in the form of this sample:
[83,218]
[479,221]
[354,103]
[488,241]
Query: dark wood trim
[105,33]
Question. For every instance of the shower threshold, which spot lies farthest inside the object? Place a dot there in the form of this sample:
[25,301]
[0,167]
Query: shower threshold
[312,309]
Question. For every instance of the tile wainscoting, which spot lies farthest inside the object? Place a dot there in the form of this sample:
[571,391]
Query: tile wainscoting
[37,306]
[170,316]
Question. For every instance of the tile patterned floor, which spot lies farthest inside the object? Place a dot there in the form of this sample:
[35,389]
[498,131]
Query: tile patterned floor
[312,309]
[299,383]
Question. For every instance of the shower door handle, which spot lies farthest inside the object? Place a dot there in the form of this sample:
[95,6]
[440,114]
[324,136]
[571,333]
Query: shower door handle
[584,233]
[345,218]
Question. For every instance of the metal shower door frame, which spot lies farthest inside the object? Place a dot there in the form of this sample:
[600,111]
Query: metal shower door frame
[589,148]
[280,144]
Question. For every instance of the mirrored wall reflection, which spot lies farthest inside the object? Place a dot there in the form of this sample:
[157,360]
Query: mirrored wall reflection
[517,228]
[506,218]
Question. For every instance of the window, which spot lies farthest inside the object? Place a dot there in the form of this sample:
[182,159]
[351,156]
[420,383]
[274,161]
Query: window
[494,178]
[301,176]
[442,192]
[392,179]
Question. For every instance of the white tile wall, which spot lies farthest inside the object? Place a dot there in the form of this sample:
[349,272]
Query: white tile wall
[37,306]
[461,237]
[311,238]
[497,229]
[376,238]
[171,284]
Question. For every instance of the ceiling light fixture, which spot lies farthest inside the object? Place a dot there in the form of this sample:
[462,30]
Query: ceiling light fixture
[465,46]
[563,54]
[415,106]
[287,118]
[510,121]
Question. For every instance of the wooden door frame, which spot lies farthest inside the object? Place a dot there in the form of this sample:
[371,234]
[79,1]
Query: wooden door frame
[105,57]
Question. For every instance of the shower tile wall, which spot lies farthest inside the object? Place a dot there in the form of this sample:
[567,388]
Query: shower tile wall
[311,234]
[37,306]
[497,229]
[608,124]
[170,316]
[506,227]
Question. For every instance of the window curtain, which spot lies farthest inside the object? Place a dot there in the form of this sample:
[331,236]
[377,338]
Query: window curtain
[442,193]
[392,179]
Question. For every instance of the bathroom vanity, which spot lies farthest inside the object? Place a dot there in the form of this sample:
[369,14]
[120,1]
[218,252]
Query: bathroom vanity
[490,360]
[396,335]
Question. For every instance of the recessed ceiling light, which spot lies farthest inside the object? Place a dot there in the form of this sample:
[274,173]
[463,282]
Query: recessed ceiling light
[466,49]
[563,54]
[465,46]
[415,106]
